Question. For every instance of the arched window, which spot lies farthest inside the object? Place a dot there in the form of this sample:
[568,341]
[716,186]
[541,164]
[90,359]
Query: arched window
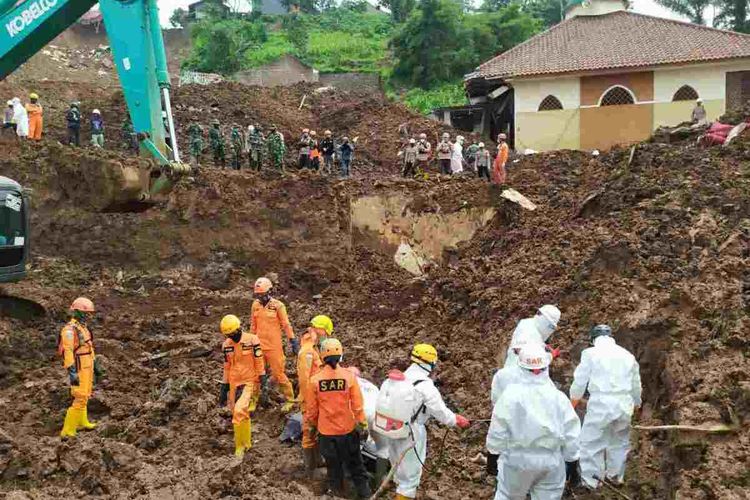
[617,96]
[685,93]
[549,103]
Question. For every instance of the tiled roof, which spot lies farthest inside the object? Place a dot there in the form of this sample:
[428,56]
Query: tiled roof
[616,40]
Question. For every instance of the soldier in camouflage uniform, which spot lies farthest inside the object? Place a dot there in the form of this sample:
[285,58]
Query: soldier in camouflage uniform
[195,132]
[216,141]
[237,141]
[276,148]
[255,143]
[129,138]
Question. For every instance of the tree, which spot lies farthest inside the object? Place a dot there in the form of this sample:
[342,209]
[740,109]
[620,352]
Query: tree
[400,9]
[733,15]
[495,32]
[550,12]
[692,9]
[179,18]
[426,47]
[219,46]
[297,32]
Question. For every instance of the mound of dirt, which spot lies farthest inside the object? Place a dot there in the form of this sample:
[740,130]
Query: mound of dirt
[657,247]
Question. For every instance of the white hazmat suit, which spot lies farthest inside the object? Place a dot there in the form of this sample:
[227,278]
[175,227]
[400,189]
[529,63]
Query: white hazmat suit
[536,330]
[21,117]
[535,431]
[457,156]
[430,401]
[511,374]
[614,383]
[374,444]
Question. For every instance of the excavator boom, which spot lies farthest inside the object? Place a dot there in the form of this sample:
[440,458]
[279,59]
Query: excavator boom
[137,49]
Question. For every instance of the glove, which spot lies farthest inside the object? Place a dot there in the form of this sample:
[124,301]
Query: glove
[313,433]
[98,371]
[572,473]
[295,345]
[555,352]
[223,394]
[575,402]
[462,421]
[73,376]
[492,464]
[362,431]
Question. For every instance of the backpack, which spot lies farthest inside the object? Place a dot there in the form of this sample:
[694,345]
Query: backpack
[396,408]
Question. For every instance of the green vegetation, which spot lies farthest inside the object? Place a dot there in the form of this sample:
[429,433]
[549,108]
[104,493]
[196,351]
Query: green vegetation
[422,49]
[446,94]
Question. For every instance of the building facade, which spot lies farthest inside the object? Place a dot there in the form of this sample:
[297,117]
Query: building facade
[605,76]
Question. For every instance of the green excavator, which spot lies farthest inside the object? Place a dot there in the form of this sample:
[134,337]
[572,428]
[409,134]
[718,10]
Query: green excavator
[137,46]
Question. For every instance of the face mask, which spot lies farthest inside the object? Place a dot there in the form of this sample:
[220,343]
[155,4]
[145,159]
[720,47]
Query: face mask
[236,336]
[544,326]
[264,299]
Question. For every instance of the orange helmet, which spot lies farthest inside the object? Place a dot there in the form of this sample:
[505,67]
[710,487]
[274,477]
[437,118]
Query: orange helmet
[262,285]
[82,304]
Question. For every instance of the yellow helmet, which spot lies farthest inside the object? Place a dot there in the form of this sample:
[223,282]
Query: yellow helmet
[331,347]
[230,324]
[33,95]
[424,353]
[323,322]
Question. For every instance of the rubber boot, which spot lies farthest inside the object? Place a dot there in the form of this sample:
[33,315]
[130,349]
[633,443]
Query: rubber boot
[288,392]
[72,417]
[84,423]
[254,399]
[248,434]
[399,496]
[310,459]
[239,440]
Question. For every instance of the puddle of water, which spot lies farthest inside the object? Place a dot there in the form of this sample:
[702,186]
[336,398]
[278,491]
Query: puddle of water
[383,223]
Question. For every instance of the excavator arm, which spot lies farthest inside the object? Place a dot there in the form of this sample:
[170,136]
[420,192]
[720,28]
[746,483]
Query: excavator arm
[137,50]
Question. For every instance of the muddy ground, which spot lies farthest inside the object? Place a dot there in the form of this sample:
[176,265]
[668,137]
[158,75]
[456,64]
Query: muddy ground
[657,247]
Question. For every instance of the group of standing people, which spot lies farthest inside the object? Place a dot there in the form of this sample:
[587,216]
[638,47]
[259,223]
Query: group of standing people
[451,158]
[25,121]
[535,441]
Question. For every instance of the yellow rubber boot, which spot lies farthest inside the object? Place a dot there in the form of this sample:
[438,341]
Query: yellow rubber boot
[239,440]
[288,392]
[72,416]
[84,423]
[399,496]
[248,434]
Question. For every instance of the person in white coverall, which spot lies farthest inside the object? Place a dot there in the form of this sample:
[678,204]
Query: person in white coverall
[533,330]
[614,383]
[21,118]
[533,436]
[508,376]
[370,393]
[429,404]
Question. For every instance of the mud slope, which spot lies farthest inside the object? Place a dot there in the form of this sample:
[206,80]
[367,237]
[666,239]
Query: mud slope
[659,249]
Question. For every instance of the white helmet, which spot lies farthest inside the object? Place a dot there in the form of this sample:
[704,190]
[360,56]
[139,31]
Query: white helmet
[481,144]
[251,128]
[10,103]
[534,357]
[423,136]
[96,112]
[546,320]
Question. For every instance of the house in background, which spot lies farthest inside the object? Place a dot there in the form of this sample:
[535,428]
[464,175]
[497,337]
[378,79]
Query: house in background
[606,76]
[272,8]
[200,10]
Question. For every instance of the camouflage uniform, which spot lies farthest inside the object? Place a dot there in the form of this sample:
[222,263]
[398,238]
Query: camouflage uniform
[255,142]
[237,141]
[196,142]
[216,141]
[277,149]
[129,139]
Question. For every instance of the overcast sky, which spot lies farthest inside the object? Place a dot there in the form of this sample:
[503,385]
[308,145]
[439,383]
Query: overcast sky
[649,7]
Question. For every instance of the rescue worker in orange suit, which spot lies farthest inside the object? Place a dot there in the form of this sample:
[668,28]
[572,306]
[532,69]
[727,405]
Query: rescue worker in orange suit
[240,386]
[308,364]
[268,318]
[35,112]
[498,167]
[76,346]
[334,409]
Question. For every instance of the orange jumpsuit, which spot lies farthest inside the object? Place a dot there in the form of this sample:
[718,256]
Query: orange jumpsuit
[267,323]
[308,364]
[498,168]
[333,403]
[243,366]
[77,348]
[35,121]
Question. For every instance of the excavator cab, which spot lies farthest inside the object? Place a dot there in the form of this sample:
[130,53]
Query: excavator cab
[14,231]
